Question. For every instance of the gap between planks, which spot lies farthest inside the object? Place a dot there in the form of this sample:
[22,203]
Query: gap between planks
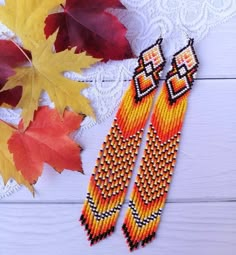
[197,79]
[80,202]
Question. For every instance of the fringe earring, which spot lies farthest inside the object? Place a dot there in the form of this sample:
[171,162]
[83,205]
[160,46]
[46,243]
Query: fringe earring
[111,175]
[156,169]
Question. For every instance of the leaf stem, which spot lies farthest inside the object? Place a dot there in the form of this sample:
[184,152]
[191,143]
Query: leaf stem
[22,51]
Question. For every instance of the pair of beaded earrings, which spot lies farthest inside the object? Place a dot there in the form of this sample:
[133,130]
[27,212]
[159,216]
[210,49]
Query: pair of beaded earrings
[113,170]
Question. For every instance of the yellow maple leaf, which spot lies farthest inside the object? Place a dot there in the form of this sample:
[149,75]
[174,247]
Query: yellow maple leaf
[7,166]
[26,19]
[45,72]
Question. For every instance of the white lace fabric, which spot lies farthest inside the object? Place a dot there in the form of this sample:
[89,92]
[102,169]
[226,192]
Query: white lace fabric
[146,20]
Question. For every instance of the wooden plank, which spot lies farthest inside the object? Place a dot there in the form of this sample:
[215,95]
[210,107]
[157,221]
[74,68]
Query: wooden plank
[216,53]
[206,164]
[196,228]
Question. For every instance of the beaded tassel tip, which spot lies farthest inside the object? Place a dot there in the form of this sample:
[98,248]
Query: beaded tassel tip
[156,169]
[111,175]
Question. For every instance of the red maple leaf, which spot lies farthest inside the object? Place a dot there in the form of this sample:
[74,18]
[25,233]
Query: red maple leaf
[11,56]
[46,140]
[87,25]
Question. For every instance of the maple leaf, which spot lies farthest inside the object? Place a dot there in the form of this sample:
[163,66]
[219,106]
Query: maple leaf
[11,56]
[26,19]
[46,140]
[45,72]
[7,166]
[86,25]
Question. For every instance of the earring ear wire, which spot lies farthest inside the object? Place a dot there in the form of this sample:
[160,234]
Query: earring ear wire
[186,32]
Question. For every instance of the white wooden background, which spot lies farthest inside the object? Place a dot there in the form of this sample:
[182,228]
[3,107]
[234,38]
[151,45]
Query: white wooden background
[200,216]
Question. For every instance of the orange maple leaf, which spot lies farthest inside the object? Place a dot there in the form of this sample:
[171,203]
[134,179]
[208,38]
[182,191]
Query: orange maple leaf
[46,140]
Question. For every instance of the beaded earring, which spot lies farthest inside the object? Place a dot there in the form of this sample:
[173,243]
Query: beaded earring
[157,166]
[112,173]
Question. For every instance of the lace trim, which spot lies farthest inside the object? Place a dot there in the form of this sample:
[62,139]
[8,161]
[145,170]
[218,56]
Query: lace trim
[9,188]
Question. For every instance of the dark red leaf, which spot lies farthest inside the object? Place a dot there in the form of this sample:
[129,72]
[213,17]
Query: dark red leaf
[95,4]
[11,97]
[11,56]
[87,25]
